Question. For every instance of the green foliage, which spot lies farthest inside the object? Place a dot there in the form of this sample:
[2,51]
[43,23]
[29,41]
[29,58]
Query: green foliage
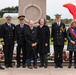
[48,17]
[66,21]
[9,10]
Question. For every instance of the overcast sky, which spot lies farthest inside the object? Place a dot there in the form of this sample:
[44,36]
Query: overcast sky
[53,7]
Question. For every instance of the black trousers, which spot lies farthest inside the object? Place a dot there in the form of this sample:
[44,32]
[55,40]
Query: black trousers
[58,54]
[43,58]
[70,57]
[8,54]
[32,55]
[23,48]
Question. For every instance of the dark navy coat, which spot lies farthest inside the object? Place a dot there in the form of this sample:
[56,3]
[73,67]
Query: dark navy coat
[31,37]
[8,33]
[43,36]
[19,34]
[58,33]
[70,36]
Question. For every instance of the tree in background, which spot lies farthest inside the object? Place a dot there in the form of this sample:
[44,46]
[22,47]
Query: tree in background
[9,10]
[48,17]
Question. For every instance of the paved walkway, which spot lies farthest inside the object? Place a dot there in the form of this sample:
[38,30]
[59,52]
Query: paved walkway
[40,71]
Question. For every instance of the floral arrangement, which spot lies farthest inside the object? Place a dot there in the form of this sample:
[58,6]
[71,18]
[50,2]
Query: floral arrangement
[65,56]
[50,56]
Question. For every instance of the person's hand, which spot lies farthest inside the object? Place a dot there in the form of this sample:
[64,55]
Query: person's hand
[46,44]
[73,42]
[33,45]
[3,43]
[16,44]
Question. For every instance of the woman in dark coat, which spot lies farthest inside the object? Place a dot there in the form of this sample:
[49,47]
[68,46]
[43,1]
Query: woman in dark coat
[71,35]
[43,42]
[31,45]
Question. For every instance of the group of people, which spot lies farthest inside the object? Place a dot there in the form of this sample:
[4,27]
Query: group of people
[59,36]
[32,40]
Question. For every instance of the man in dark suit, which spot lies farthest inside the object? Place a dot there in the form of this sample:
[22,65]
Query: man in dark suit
[19,37]
[58,35]
[8,34]
[31,45]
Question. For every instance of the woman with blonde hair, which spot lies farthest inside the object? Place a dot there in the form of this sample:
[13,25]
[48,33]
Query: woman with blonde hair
[71,35]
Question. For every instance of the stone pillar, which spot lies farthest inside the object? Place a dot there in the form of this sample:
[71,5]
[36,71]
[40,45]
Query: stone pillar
[32,9]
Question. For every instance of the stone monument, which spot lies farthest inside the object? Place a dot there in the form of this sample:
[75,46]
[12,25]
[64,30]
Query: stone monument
[32,9]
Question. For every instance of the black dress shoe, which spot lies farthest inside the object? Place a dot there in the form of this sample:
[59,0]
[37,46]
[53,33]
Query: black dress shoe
[45,66]
[69,65]
[60,65]
[35,66]
[75,66]
[6,66]
[2,68]
[41,66]
[18,66]
[56,65]
[23,66]
[30,67]
[11,66]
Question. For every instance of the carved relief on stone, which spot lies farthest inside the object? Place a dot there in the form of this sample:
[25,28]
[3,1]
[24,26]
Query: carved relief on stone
[32,12]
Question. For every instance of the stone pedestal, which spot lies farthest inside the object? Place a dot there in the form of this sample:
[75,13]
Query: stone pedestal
[32,9]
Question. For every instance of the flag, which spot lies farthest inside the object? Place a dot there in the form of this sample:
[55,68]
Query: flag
[72,8]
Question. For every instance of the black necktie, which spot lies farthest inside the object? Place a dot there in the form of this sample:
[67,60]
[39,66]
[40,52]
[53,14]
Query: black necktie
[9,25]
[58,24]
[21,26]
